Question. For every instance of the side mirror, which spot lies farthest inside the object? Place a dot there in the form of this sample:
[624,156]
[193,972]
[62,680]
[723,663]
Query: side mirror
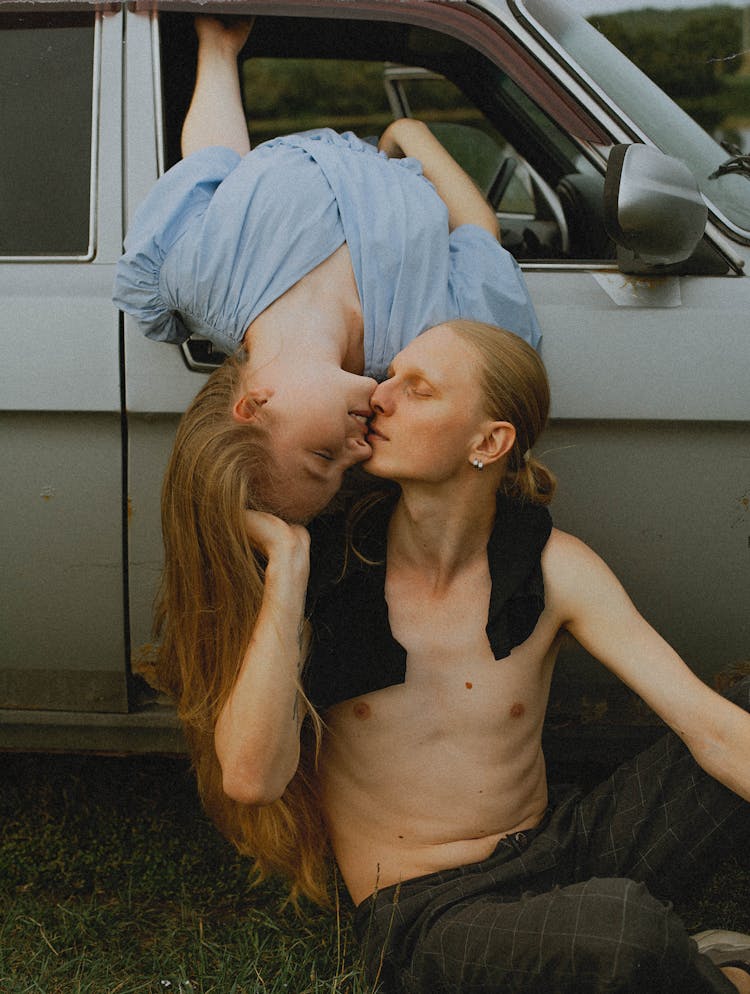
[653,208]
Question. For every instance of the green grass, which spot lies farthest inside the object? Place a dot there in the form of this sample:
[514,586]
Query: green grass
[112,881]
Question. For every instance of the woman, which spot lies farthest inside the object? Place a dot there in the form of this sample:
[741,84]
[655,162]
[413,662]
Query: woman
[317,256]
[434,625]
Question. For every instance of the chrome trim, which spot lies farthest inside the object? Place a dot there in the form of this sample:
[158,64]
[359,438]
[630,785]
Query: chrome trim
[195,365]
[95,118]
[565,266]
[158,93]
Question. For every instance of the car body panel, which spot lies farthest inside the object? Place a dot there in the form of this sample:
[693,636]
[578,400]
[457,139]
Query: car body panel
[650,432]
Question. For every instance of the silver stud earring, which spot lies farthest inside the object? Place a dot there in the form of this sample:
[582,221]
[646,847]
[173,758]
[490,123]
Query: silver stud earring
[477,463]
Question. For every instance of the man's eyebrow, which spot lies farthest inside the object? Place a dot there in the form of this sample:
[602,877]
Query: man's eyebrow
[416,372]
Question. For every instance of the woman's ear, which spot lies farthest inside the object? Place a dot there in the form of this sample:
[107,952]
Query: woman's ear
[497,440]
[247,407]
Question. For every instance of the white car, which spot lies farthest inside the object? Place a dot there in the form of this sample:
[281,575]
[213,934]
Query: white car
[647,342]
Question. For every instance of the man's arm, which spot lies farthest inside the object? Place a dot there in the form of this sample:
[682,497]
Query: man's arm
[257,732]
[216,115]
[600,615]
[465,203]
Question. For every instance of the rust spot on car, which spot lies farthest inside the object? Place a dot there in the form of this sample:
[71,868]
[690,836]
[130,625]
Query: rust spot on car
[362,710]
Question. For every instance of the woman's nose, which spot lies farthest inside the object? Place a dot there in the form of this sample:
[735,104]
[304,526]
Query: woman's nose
[365,388]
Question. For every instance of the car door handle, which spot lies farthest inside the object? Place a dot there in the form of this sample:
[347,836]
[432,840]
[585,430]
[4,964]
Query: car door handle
[202,355]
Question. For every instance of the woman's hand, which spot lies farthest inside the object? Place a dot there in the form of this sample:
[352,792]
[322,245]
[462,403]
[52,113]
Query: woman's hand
[398,134]
[285,546]
[465,203]
[229,37]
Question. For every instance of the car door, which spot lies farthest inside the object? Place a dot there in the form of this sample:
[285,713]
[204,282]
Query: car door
[649,435]
[62,646]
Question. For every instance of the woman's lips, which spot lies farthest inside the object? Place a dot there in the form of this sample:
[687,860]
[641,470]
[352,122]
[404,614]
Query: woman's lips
[361,418]
[374,433]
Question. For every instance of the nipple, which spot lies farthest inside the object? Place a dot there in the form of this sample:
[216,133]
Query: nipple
[517,710]
[361,710]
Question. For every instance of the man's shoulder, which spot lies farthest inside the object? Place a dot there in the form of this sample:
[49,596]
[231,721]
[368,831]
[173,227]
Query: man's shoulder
[576,578]
[566,552]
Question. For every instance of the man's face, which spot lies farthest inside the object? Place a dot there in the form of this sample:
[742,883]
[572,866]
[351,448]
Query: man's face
[428,410]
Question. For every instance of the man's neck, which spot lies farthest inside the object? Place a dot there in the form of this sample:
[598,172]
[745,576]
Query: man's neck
[432,532]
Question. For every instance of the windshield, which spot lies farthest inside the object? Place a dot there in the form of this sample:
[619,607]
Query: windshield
[650,109]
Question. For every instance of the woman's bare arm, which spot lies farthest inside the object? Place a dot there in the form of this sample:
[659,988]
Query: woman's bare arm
[465,203]
[216,115]
[257,732]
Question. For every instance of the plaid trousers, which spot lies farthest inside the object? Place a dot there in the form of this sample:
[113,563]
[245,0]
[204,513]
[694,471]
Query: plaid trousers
[578,904]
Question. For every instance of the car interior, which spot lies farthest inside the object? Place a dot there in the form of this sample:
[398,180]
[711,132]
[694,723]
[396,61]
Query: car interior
[358,75]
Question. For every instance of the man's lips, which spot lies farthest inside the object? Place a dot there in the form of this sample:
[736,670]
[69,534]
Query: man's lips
[373,431]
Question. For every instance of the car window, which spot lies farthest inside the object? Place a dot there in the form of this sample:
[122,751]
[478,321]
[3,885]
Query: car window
[286,95]
[649,107]
[364,97]
[46,78]
[462,128]
[359,76]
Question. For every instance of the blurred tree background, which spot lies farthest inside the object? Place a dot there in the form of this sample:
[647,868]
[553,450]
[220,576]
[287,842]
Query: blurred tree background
[695,55]
[698,56]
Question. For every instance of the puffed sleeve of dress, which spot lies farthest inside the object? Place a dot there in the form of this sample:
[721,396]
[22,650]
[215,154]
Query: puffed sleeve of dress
[220,237]
[486,283]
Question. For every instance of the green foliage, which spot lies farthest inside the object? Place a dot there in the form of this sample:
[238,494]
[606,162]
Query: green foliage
[294,87]
[285,95]
[691,54]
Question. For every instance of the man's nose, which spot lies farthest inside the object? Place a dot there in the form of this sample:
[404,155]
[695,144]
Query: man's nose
[367,389]
[381,400]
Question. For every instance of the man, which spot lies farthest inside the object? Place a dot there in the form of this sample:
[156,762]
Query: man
[435,628]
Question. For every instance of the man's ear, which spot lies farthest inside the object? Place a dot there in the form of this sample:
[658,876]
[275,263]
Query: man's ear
[247,407]
[497,440]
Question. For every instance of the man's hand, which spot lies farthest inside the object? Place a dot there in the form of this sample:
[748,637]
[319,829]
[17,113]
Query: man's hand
[257,731]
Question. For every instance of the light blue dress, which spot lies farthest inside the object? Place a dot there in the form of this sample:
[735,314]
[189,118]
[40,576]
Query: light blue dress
[221,236]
